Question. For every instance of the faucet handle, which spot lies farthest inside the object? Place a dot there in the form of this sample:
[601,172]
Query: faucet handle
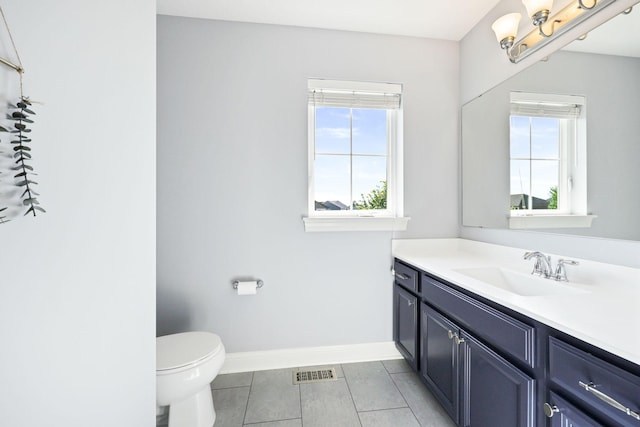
[561,272]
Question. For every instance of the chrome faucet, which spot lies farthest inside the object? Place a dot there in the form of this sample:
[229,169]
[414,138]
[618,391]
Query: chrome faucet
[542,266]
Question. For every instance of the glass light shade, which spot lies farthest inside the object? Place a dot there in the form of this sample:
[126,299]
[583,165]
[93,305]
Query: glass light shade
[506,26]
[535,6]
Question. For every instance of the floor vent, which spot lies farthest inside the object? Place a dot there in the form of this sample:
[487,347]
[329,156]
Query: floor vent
[314,375]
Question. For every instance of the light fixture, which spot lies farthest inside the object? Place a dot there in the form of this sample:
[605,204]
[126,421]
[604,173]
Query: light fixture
[538,10]
[506,27]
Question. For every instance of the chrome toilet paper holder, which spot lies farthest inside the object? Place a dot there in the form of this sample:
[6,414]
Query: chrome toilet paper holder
[259,283]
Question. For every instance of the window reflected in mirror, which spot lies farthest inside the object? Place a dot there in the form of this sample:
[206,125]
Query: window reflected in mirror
[545,153]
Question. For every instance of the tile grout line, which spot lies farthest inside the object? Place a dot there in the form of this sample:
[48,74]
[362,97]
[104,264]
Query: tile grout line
[384,409]
[268,422]
[397,388]
[246,405]
[353,402]
[300,402]
[404,398]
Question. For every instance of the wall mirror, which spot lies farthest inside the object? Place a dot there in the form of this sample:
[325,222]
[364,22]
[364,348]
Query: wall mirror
[604,69]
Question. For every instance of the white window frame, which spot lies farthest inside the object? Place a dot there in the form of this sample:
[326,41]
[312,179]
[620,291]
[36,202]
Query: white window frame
[572,183]
[389,219]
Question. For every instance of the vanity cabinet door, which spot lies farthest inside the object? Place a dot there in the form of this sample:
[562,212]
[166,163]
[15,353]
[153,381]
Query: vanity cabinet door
[405,324]
[495,393]
[440,359]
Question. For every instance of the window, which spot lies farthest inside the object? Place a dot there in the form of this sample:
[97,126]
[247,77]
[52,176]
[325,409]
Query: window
[354,155]
[547,155]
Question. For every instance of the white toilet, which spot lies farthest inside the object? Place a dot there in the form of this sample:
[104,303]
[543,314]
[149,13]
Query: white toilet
[186,364]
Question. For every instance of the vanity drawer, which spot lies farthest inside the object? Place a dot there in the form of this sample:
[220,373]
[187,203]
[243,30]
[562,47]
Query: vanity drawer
[499,330]
[406,277]
[611,389]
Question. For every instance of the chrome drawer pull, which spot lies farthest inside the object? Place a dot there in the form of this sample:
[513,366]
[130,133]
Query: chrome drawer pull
[402,276]
[550,410]
[591,388]
[455,337]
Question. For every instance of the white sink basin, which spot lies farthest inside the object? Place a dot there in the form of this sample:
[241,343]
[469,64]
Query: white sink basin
[518,283]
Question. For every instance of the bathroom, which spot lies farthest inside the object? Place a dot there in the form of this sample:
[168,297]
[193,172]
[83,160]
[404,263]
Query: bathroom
[142,239]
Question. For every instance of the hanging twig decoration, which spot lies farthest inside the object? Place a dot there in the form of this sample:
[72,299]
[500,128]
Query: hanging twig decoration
[3,217]
[21,116]
[22,153]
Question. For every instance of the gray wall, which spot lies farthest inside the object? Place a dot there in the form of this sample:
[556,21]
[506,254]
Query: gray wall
[483,65]
[77,304]
[232,180]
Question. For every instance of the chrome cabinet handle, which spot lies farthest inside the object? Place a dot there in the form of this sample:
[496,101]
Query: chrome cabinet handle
[402,276]
[591,388]
[410,303]
[549,410]
[454,336]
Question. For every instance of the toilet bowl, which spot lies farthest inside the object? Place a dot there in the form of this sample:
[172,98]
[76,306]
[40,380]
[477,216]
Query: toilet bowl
[186,364]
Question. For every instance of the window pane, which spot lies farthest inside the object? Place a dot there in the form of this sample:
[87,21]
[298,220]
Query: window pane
[332,183]
[544,177]
[545,138]
[369,131]
[520,185]
[333,130]
[520,137]
[369,182]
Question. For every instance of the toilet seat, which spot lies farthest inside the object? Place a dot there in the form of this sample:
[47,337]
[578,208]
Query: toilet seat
[178,351]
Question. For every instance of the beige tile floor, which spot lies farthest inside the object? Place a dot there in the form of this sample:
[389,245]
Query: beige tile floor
[369,394]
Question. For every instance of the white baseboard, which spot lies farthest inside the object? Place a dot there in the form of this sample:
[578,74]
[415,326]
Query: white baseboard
[310,356]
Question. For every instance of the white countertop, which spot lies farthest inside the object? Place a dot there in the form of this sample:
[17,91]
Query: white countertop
[605,311]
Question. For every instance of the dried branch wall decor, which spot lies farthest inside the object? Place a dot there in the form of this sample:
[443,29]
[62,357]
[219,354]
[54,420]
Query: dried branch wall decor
[21,117]
[22,154]
[3,208]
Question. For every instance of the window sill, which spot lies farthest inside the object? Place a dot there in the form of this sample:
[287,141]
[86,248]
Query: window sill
[318,224]
[550,221]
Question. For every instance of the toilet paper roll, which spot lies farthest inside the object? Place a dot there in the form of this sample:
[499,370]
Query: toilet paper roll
[247,288]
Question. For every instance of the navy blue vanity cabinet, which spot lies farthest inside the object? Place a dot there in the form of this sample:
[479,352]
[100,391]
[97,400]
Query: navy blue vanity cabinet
[565,414]
[465,346]
[407,277]
[605,391]
[490,366]
[495,392]
[405,313]
[440,361]
[405,329]
[474,384]
[511,336]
